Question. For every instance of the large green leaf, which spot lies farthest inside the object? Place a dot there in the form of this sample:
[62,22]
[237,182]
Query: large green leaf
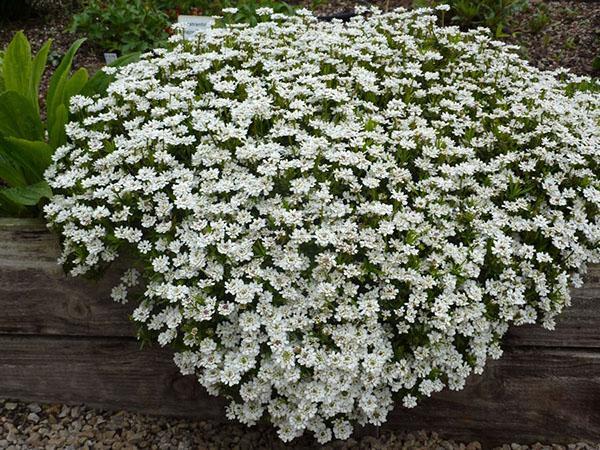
[9,208]
[56,89]
[99,82]
[37,70]
[56,128]
[32,157]
[10,173]
[2,86]
[74,85]
[17,65]
[27,195]
[57,135]
[18,117]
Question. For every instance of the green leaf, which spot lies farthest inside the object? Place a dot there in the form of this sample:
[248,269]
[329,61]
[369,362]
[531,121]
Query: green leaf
[33,157]
[2,85]
[10,173]
[99,82]
[58,82]
[74,84]
[37,70]
[57,135]
[9,208]
[18,117]
[27,195]
[17,65]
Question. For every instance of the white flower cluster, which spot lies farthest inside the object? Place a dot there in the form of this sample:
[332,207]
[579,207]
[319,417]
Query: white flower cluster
[329,217]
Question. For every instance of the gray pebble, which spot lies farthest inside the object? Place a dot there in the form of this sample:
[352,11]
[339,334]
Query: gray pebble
[31,426]
[34,407]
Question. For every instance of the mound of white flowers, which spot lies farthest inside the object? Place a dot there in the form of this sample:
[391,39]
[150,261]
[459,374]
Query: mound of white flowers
[328,217]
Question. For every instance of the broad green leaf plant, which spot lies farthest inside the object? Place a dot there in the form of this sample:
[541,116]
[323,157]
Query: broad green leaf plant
[28,138]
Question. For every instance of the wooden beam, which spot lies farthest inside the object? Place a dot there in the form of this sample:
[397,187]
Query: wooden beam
[37,298]
[110,373]
[528,395]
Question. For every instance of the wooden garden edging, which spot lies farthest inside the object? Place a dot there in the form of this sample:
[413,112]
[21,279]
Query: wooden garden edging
[64,340]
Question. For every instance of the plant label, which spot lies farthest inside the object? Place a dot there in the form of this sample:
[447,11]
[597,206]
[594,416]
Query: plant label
[193,25]
[110,57]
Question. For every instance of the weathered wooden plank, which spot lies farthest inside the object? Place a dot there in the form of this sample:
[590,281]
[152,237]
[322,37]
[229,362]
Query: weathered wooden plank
[105,373]
[527,396]
[38,299]
[577,326]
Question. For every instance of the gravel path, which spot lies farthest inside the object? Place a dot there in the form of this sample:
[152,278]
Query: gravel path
[26,426]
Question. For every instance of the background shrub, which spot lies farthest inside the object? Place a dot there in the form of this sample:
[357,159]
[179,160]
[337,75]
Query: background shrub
[122,25]
[138,25]
[493,14]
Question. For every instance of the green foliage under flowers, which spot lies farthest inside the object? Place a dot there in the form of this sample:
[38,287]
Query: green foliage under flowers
[493,14]
[138,25]
[28,137]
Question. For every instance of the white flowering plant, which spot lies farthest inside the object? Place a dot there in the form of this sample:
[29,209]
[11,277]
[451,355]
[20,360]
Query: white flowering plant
[325,218]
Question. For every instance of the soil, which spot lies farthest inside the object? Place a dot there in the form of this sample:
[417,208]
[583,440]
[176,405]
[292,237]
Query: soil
[559,34]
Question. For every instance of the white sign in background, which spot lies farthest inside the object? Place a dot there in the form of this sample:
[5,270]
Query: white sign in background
[193,25]
[110,57]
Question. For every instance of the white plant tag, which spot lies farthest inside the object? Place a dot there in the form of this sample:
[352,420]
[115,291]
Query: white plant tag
[193,25]
[109,57]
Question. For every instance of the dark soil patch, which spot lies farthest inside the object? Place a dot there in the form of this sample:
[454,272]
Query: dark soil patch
[559,34]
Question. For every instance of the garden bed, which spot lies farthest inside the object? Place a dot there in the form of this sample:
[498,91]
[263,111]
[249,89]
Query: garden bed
[64,340]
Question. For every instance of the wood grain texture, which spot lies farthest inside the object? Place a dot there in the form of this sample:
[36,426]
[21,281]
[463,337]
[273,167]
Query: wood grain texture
[37,298]
[111,373]
[528,395]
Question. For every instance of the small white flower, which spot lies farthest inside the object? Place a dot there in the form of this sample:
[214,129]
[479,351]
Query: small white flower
[328,216]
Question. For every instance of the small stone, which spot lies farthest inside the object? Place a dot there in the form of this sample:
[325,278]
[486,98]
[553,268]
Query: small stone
[116,422]
[10,406]
[33,417]
[108,435]
[34,407]
[11,436]
[33,439]
[75,412]
[64,411]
